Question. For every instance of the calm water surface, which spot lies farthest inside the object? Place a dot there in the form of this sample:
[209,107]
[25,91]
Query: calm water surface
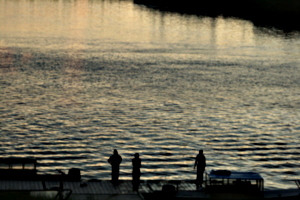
[80,78]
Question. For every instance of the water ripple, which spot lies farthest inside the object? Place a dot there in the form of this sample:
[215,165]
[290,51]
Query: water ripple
[166,90]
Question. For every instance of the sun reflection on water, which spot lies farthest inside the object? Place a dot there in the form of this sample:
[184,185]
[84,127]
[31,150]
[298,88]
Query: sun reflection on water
[80,78]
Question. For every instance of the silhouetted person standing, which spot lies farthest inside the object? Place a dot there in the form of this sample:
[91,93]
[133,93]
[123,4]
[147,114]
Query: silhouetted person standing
[136,173]
[200,162]
[115,161]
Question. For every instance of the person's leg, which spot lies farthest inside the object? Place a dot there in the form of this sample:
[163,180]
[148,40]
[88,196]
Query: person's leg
[115,174]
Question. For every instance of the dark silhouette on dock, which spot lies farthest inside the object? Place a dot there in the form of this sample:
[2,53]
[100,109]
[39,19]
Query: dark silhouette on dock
[115,161]
[136,172]
[200,162]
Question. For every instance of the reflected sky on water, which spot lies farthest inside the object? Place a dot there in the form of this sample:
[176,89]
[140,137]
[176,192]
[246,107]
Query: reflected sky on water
[80,78]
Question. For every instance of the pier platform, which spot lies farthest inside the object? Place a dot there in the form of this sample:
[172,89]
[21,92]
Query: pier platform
[98,189]
[105,190]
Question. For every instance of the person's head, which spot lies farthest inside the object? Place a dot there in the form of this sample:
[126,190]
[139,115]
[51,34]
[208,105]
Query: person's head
[136,155]
[115,151]
[200,151]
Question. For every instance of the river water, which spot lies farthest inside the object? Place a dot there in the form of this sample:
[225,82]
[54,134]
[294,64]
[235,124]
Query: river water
[80,78]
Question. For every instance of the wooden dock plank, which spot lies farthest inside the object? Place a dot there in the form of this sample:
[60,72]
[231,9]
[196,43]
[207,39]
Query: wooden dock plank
[21,185]
[144,188]
[82,190]
[90,189]
[68,185]
[39,185]
[122,188]
[93,188]
[12,184]
[79,190]
[180,186]
[108,186]
[112,188]
[100,188]
[183,186]
[25,185]
[18,185]
[103,188]
[28,185]
[127,187]
[32,185]
[75,187]
[6,187]
[192,186]
[117,189]
[157,186]
[150,186]
[131,187]
[2,185]
[154,186]
[50,184]
[9,185]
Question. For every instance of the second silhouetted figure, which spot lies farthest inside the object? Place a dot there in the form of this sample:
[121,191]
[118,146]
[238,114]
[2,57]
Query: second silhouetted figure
[136,173]
[115,161]
[200,162]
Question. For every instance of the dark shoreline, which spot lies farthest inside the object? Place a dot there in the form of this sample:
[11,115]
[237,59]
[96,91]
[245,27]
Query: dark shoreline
[280,14]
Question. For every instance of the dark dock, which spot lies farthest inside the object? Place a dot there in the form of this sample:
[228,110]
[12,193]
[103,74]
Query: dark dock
[99,189]
[104,189]
[19,175]
[25,181]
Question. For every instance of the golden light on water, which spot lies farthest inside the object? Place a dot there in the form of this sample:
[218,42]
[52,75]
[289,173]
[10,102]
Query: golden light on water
[86,20]
[80,78]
